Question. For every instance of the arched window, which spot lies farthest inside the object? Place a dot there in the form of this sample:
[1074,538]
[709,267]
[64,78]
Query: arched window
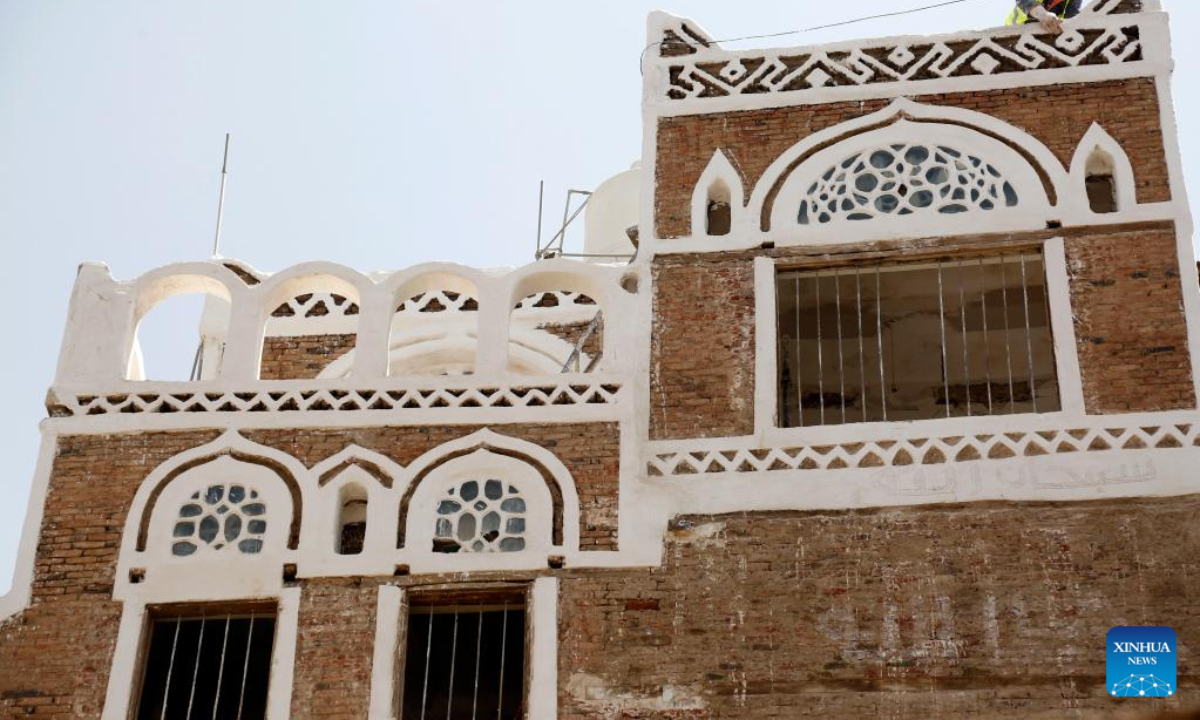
[555,332]
[719,210]
[182,325]
[1101,182]
[480,516]
[219,517]
[435,333]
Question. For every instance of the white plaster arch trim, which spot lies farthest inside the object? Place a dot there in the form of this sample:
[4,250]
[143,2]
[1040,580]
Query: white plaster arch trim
[508,447]
[1098,139]
[378,476]
[720,171]
[430,277]
[601,284]
[320,277]
[900,109]
[1032,205]
[170,281]
[166,578]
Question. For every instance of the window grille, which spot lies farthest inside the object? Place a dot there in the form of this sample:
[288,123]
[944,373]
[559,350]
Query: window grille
[480,517]
[465,658]
[961,337]
[220,517]
[207,665]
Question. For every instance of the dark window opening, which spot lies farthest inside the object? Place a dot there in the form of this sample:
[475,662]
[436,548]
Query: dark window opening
[955,337]
[1102,193]
[720,217]
[353,520]
[465,657]
[207,664]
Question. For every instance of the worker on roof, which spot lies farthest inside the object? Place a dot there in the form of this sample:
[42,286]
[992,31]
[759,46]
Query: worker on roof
[1050,13]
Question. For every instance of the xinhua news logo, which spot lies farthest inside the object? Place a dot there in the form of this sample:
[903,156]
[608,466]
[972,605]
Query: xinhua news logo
[1141,662]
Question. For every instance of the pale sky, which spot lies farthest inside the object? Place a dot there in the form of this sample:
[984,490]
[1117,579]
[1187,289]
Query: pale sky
[374,133]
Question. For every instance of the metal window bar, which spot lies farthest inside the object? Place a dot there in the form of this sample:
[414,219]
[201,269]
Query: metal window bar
[966,386]
[187,666]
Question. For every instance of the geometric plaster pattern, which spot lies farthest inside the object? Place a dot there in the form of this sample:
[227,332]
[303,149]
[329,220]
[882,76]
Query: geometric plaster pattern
[781,72]
[312,305]
[540,395]
[923,451]
[480,517]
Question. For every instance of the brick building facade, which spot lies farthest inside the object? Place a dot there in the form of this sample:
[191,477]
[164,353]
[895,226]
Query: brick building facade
[892,414]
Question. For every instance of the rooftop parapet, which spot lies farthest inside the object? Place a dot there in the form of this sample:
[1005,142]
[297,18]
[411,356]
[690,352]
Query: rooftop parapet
[687,71]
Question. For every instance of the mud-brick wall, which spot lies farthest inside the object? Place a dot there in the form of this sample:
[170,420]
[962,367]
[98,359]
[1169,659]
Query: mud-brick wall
[1127,298]
[334,645]
[1057,115]
[984,611]
[302,357]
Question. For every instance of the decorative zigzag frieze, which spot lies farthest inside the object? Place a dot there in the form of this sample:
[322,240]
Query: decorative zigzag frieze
[334,400]
[922,451]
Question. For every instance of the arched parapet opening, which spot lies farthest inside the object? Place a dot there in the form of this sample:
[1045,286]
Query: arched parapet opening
[229,501]
[1102,178]
[199,295]
[434,321]
[310,316]
[352,510]
[718,202]
[568,302]
[433,507]
[1031,169]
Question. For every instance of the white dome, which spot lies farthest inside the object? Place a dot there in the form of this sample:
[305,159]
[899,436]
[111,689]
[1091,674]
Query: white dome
[614,207]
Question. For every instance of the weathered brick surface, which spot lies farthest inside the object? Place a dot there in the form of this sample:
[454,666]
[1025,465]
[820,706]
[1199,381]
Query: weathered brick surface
[302,357]
[54,657]
[334,646]
[573,332]
[590,451]
[1056,115]
[1126,296]
[989,611]
[702,346]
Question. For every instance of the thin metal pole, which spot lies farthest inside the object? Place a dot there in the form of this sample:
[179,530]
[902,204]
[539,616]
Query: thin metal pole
[862,356]
[503,645]
[221,669]
[453,653]
[196,669]
[1012,392]
[216,253]
[245,666]
[425,683]
[942,322]
[987,346]
[837,287]
[478,649]
[1028,334]
[537,255]
[879,340]
[962,313]
[820,353]
[170,669]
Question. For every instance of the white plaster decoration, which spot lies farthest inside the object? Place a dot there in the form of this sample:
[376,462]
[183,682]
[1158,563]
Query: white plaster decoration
[938,177]
[1062,328]
[1098,145]
[570,391]
[720,173]
[543,647]
[693,73]
[389,607]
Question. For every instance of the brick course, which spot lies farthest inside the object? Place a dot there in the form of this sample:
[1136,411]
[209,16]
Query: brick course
[1057,115]
[995,611]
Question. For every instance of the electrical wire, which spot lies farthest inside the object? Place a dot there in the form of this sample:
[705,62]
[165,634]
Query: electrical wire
[814,28]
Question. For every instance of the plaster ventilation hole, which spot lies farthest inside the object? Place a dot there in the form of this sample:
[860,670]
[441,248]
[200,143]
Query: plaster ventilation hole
[352,525]
[1101,186]
[220,517]
[480,517]
[719,214]
[905,179]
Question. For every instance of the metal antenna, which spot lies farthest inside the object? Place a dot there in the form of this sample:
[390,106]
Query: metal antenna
[216,252]
[541,197]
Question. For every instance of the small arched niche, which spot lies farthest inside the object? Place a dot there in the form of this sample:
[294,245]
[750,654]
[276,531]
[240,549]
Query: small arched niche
[556,331]
[307,332]
[182,326]
[1100,182]
[717,201]
[435,328]
[352,519]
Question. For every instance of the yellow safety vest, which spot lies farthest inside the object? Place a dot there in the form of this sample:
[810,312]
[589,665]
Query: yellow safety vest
[1018,17]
